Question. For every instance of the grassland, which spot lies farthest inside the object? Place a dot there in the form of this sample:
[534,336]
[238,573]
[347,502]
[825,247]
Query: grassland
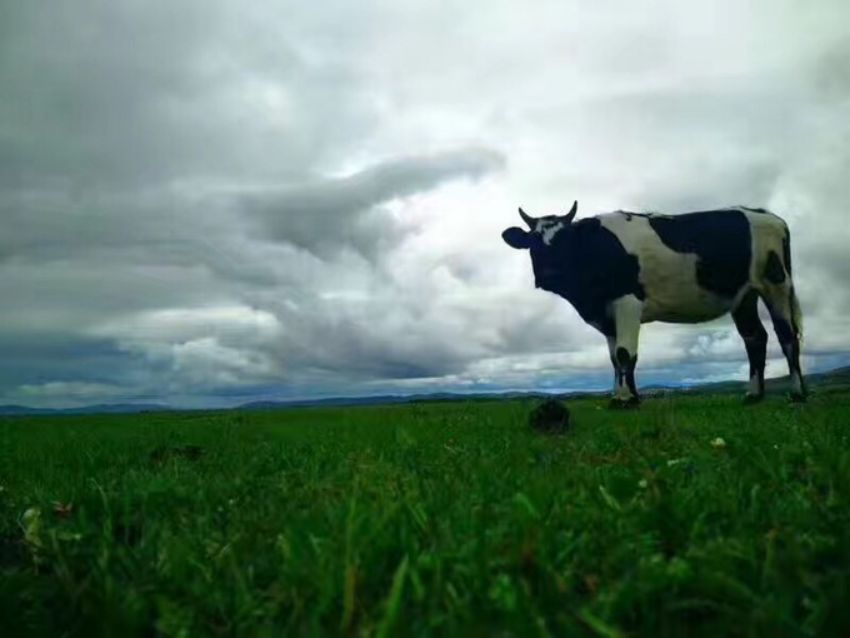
[430,519]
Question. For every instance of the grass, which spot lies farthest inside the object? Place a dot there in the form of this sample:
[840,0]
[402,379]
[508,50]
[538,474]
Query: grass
[430,519]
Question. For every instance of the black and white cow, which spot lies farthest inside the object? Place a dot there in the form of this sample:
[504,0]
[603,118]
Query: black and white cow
[622,269]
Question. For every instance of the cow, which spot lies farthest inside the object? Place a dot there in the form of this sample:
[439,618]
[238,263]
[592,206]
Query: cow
[622,269]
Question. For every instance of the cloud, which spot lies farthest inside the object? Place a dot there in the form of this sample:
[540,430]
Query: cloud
[329,213]
[69,389]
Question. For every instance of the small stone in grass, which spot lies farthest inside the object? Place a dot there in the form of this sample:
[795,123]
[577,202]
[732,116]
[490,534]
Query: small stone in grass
[63,510]
[718,443]
[550,417]
[163,453]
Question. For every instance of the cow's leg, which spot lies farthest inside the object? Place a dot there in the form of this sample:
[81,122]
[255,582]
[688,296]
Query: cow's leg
[746,317]
[626,312]
[612,353]
[777,289]
[784,312]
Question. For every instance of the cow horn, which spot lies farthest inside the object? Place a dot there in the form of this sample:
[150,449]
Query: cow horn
[532,223]
[569,216]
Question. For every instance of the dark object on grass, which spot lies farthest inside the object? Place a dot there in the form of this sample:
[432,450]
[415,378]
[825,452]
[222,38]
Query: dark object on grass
[632,403]
[162,453]
[13,551]
[550,417]
[128,530]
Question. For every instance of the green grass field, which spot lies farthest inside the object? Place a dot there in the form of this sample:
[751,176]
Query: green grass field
[430,519]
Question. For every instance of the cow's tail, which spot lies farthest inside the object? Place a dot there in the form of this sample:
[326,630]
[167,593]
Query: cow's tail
[796,312]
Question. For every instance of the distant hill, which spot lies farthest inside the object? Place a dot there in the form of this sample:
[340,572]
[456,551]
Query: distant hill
[386,399]
[14,410]
[839,378]
[822,382]
[101,408]
[818,382]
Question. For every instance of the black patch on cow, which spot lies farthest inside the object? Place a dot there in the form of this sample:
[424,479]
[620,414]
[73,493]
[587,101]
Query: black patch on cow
[587,265]
[721,240]
[773,271]
[625,366]
[783,327]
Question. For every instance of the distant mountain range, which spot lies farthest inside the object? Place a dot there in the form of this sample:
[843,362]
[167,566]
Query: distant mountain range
[819,382]
[836,379]
[100,408]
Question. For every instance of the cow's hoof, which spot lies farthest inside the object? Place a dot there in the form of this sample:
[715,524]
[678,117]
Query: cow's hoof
[798,397]
[752,399]
[624,404]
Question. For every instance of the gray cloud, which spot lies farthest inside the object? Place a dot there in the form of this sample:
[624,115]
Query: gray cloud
[325,214]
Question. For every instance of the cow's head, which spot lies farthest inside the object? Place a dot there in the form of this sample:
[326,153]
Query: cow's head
[547,240]
[542,230]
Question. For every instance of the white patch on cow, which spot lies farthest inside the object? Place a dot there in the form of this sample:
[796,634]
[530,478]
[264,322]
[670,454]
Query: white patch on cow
[626,312]
[548,228]
[767,232]
[612,351]
[796,379]
[796,383]
[621,391]
[669,278]
[754,387]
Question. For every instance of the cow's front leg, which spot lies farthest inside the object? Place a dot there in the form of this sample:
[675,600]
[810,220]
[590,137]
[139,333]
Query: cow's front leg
[612,353]
[625,312]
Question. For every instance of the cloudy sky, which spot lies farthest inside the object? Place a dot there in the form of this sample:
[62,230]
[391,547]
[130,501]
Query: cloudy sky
[209,202]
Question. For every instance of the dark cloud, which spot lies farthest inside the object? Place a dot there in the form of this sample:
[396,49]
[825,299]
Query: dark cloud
[325,214]
[120,94]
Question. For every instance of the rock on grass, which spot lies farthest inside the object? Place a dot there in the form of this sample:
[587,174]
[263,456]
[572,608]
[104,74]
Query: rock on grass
[550,417]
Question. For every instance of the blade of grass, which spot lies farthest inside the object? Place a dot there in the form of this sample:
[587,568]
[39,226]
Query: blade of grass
[394,599]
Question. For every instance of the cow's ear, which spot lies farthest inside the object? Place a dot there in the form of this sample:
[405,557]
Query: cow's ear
[516,237]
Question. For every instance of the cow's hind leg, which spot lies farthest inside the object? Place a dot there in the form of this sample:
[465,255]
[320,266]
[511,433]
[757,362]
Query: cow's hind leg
[746,317]
[626,312]
[784,310]
[789,338]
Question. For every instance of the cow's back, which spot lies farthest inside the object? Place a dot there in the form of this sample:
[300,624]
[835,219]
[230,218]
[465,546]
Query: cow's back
[693,266]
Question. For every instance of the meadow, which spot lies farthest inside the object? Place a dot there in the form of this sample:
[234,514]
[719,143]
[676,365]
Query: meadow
[691,516]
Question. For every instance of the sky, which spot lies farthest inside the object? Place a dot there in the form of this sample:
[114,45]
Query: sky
[206,203]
